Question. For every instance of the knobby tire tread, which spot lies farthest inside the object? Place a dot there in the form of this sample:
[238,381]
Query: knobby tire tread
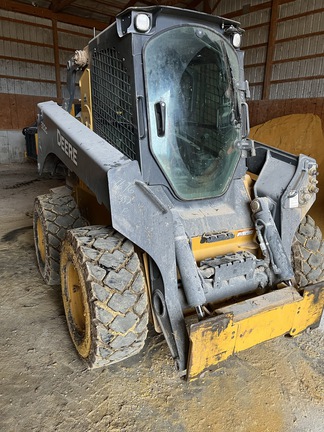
[308,253]
[116,293]
[57,214]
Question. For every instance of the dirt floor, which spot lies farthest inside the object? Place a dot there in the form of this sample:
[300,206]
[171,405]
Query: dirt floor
[275,387]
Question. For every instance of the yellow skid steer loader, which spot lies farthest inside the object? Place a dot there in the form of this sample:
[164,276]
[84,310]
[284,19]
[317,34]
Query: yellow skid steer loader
[170,211]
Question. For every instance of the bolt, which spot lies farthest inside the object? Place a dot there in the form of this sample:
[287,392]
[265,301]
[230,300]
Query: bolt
[255,206]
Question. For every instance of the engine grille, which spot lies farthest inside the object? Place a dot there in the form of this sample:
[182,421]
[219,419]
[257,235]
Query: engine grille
[111,101]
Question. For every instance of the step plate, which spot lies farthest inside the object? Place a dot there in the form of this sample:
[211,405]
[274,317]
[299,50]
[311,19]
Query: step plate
[248,323]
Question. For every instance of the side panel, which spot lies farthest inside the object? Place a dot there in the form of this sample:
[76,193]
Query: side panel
[144,216]
[77,147]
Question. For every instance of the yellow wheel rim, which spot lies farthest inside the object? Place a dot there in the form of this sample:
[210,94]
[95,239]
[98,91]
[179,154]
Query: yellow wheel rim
[77,309]
[41,241]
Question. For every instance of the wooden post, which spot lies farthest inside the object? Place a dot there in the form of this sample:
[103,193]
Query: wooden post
[215,6]
[271,48]
[207,7]
[56,60]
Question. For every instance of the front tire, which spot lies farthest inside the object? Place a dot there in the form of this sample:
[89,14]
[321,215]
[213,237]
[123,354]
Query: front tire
[54,214]
[104,295]
[308,253]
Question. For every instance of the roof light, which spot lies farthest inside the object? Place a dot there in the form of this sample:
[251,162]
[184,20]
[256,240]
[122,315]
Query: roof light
[237,39]
[236,35]
[142,23]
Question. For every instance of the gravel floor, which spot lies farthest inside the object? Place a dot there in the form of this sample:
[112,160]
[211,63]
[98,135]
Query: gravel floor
[275,387]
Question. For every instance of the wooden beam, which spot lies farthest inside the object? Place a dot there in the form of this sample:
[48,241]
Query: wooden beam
[271,48]
[249,9]
[27,42]
[216,6]
[45,13]
[19,78]
[58,5]
[131,3]
[29,60]
[207,8]
[167,3]
[88,10]
[194,4]
[302,15]
[289,80]
[61,30]
[305,78]
[40,44]
[56,60]
[301,36]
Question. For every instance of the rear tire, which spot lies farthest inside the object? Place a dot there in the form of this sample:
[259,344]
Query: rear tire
[308,253]
[104,295]
[54,214]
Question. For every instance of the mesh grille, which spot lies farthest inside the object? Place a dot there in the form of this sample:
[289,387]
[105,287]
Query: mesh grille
[111,101]
[210,91]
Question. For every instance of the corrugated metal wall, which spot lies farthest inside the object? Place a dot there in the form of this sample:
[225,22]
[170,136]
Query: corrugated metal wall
[27,56]
[29,49]
[298,59]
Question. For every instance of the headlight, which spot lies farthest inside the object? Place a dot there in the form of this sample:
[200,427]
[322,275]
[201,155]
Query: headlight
[237,39]
[142,23]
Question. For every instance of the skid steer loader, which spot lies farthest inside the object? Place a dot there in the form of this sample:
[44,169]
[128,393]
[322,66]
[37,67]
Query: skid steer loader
[169,211]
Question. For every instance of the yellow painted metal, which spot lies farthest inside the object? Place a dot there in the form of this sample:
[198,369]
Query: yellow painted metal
[75,295]
[240,326]
[75,302]
[36,143]
[72,111]
[248,184]
[41,240]
[313,302]
[91,210]
[244,239]
[86,102]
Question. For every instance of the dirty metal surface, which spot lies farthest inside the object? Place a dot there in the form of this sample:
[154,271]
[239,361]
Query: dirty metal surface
[250,322]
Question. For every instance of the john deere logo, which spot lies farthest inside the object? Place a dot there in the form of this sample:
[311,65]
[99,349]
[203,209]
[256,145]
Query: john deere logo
[67,147]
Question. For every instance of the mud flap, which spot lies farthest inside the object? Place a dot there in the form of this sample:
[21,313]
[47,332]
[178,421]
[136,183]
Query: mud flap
[240,326]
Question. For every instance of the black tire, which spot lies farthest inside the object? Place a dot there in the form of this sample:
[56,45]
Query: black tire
[54,214]
[104,295]
[308,253]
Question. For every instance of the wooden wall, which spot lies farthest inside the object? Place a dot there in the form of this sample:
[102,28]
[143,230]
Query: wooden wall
[19,111]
